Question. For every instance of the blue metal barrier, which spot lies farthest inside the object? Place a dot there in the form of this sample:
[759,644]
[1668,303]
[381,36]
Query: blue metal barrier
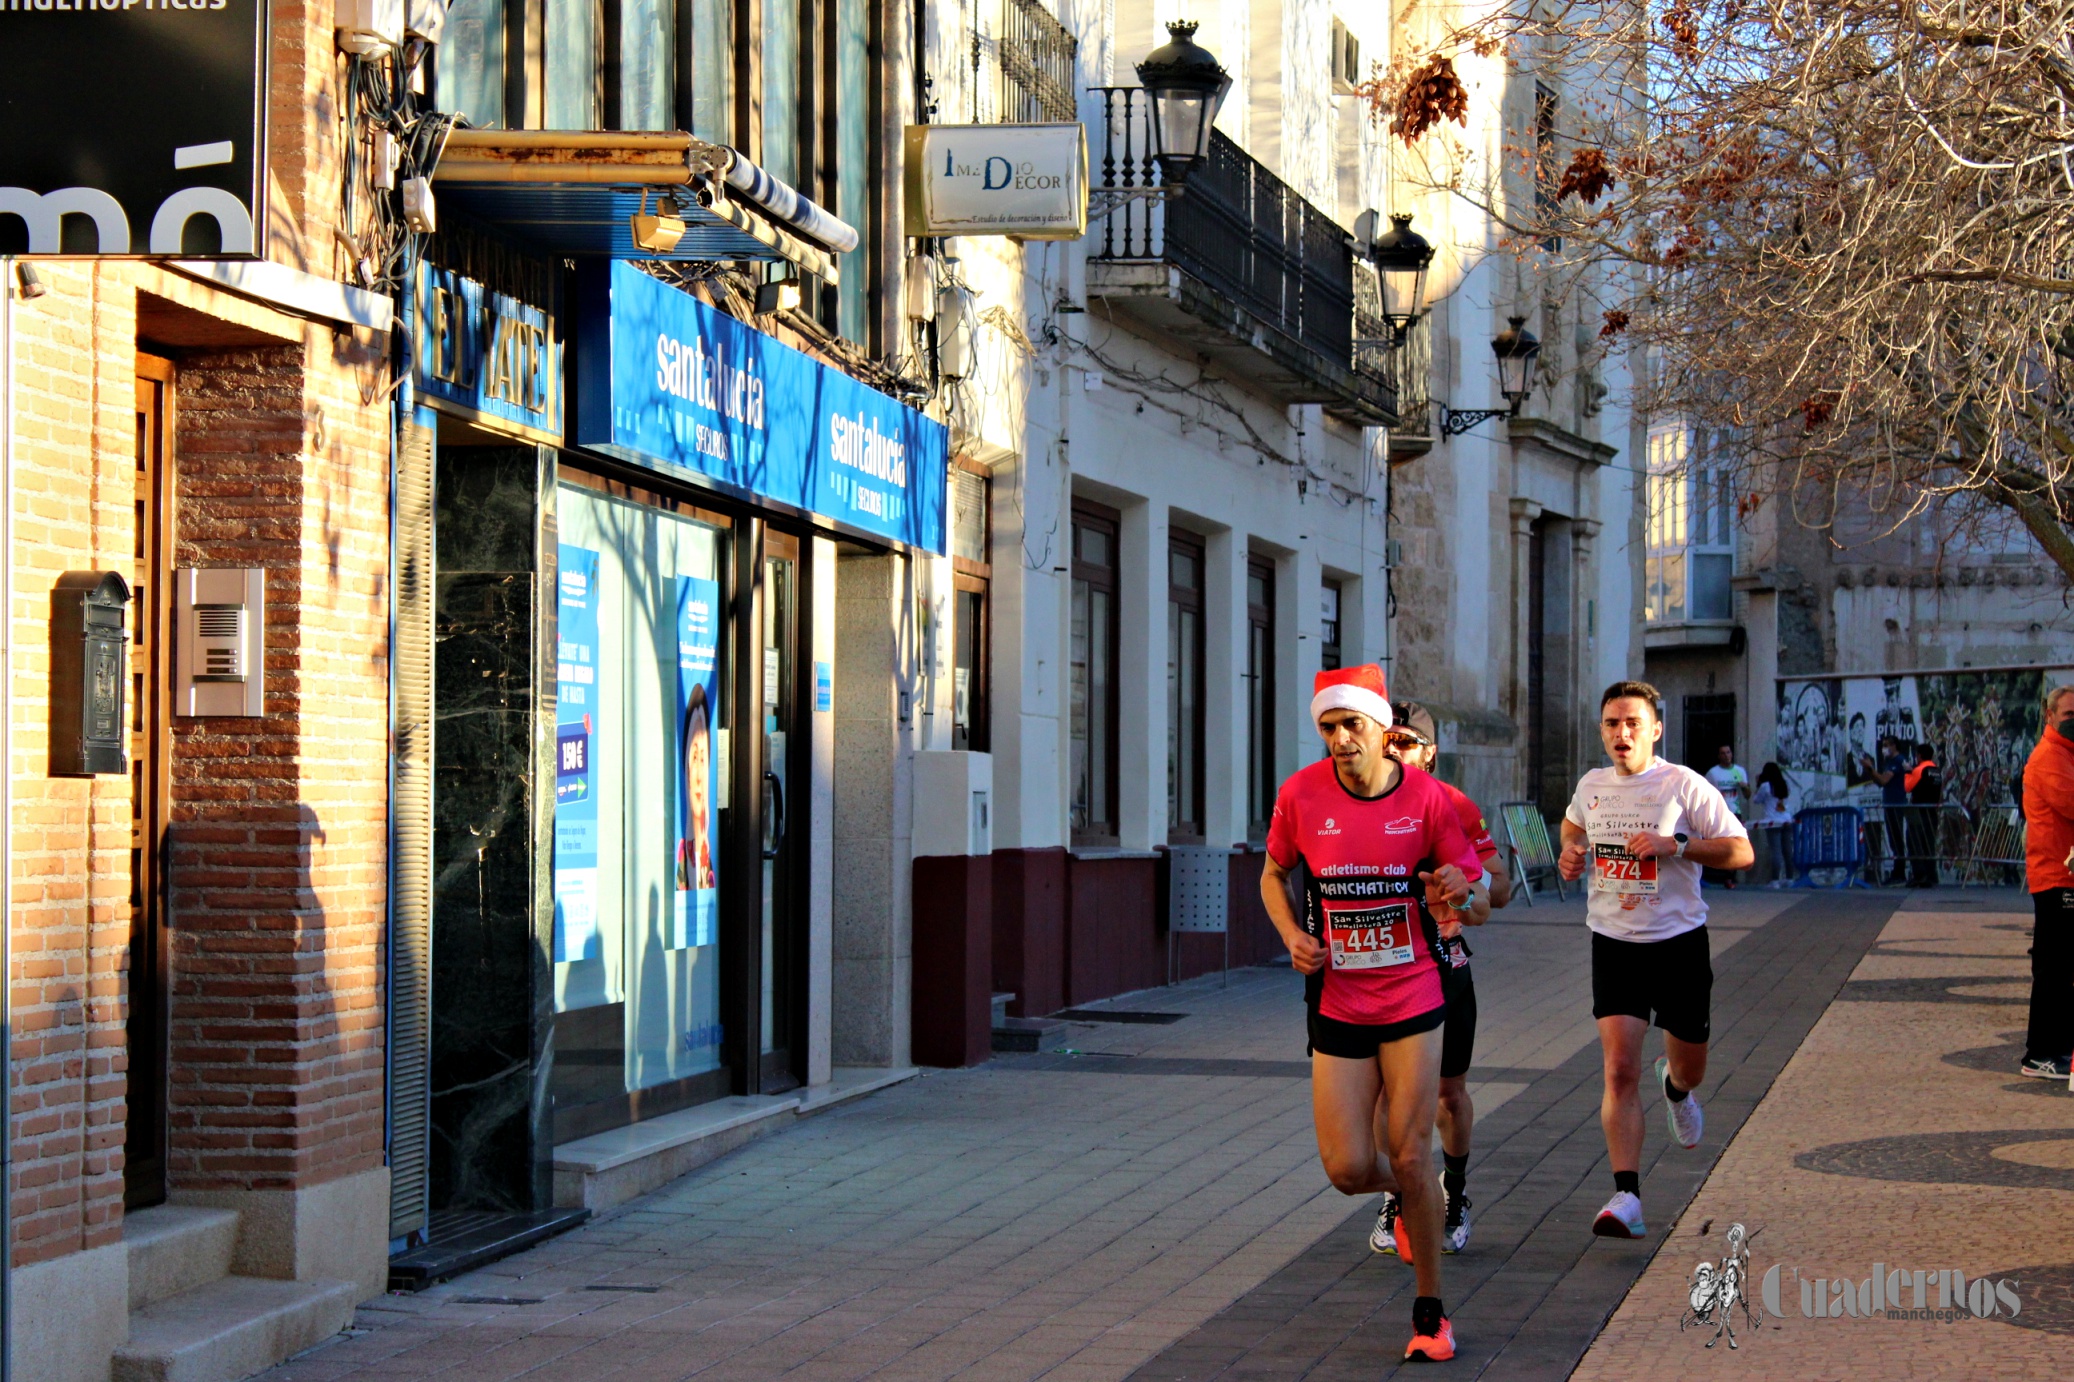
[1829,837]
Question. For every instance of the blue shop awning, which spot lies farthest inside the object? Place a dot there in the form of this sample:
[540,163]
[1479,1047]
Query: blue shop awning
[574,192]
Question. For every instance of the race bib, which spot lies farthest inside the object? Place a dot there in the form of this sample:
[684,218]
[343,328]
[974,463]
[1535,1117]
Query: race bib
[1614,870]
[1371,937]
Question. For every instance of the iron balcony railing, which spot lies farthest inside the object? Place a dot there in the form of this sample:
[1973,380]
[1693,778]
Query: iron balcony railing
[1033,66]
[1237,227]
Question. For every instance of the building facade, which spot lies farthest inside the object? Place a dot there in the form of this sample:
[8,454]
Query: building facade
[711,646]
[1806,643]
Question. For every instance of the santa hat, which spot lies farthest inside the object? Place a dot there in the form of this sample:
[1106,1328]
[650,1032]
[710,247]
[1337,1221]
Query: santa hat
[1352,688]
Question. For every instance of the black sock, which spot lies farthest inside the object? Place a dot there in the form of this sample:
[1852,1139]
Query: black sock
[1454,1173]
[1672,1092]
[1426,1313]
[1630,1181]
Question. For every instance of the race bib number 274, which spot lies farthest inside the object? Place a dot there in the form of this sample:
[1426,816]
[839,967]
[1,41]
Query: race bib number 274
[1614,870]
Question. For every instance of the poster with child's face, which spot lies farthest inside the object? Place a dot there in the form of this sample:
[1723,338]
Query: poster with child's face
[696,829]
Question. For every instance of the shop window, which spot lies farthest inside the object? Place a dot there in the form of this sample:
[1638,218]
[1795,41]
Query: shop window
[1185,687]
[1328,626]
[1691,549]
[971,578]
[1260,696]
[1092,655]
[642,753]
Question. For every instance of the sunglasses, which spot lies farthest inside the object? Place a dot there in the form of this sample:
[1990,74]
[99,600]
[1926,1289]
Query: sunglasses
[1405,739]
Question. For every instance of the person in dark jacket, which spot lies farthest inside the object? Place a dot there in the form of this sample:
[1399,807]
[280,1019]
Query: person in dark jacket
[1891,773]
[1925,796]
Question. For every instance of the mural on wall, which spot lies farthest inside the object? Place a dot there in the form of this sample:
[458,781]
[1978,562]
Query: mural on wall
[1981,726]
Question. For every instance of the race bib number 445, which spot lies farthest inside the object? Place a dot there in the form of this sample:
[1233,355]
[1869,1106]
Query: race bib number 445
[1614,870]
[1371,937]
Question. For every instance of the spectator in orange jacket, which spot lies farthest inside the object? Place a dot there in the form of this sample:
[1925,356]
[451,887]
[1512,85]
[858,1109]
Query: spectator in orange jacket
[2048,843]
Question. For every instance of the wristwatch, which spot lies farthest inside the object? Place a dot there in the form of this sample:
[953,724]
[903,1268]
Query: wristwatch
[1683,840]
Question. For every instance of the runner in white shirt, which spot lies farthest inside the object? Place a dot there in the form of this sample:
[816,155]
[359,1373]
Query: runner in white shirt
[1645,828]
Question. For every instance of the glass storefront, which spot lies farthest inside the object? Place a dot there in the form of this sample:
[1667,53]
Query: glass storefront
[642,742]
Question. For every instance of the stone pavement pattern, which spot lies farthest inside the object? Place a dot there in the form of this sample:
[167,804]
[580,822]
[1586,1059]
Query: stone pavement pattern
[1899,1134]
[1068,1216]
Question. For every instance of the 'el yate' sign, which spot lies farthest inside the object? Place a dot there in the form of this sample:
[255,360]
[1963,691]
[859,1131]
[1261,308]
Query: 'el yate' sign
[133,127]
[666,381]
[485,355]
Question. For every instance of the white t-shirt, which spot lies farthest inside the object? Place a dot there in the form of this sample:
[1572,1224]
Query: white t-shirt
[1726,781]
[1767,808]
[1634,899]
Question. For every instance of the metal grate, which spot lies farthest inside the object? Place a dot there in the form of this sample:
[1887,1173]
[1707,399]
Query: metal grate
[1034,58]
[410,927]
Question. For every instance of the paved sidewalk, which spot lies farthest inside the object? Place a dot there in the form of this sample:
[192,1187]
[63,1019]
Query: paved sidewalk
[1534,1287]
[1900,1134]
[1073,1216]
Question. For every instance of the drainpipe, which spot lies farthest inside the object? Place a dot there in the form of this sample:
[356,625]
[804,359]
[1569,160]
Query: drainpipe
[7,293]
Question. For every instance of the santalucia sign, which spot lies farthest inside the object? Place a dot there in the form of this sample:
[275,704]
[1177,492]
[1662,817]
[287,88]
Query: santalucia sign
[1029,181]
[133,127]
[668,382]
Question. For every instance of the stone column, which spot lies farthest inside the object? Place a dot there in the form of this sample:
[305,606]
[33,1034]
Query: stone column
[1514,698]
[1584,662]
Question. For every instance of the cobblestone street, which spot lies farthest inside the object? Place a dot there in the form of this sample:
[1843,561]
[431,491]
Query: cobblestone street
[1149,1203]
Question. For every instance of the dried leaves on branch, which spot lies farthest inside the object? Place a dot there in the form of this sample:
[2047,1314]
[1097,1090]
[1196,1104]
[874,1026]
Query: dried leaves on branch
[1849,225]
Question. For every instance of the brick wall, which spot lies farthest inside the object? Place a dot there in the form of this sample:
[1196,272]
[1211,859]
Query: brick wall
[74,477]
[279,825]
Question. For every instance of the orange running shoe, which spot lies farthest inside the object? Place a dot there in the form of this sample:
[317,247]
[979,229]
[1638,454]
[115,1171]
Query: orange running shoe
[1436,1347]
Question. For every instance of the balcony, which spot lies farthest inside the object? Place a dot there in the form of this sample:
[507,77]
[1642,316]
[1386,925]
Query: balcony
[1240,268]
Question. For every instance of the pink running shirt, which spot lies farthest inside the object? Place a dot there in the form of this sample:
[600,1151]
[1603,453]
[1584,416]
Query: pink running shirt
[1362,893]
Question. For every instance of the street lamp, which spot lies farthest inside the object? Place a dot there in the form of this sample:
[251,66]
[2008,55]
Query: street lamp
[1518,352]
[1402,255]
[1186,86]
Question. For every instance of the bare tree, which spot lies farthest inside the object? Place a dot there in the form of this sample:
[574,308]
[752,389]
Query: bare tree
[1848,225]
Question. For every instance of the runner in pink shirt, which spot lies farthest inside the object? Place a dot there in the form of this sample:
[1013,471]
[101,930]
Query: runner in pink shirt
[1380,847]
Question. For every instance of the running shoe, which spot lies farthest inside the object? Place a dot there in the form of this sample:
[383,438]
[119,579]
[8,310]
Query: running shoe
[1621,1218]
[2046,1069]
[1383,1237]
[1454,1234]
[1436,1347]
[1684,1116]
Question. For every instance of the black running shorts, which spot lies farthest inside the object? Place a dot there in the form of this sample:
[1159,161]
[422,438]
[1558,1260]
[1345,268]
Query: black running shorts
[1669,981]
[1458,1043]
[1355,1041]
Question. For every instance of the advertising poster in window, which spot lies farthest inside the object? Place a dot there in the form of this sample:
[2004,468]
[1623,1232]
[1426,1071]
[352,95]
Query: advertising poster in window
[697,829]
[576,799]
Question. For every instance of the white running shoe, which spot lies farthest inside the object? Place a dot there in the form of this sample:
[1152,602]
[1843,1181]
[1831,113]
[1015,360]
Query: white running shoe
[1685,1117]
[1454,1230]
[1621,1218]
[1383,1237]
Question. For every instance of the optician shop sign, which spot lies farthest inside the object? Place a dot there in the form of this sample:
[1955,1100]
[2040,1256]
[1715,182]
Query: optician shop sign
[133,127]
[1028,181]
[668,382]
[484,355]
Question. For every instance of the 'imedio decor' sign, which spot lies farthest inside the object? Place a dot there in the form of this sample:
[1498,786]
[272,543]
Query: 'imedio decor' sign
[1028,181]
[133,127]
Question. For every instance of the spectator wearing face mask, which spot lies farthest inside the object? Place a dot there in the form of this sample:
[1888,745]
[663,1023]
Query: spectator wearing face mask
[2048,844]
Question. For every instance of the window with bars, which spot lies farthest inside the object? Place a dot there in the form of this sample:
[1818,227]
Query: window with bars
[1093,707]
[1022,67]
[1691,548]
[1185,571]
[1548,160]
